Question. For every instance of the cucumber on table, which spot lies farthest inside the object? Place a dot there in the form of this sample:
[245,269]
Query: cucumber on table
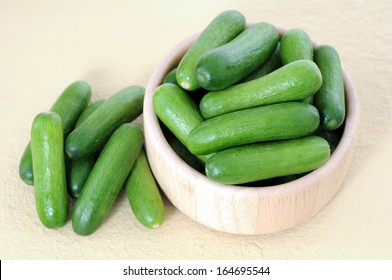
[122,107]
[143,193]
[266,123]
[47,149]
[222,29]
[249,163]
[69,105]
[79,169]
[292,82]
[295,45]
[106,179]
[330,99]
[224,66]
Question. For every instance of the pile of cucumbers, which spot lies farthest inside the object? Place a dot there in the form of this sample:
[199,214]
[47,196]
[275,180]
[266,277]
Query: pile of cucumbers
[89,152]
[245,105]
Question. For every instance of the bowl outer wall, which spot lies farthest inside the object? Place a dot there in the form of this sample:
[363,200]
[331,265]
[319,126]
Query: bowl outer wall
[236,209]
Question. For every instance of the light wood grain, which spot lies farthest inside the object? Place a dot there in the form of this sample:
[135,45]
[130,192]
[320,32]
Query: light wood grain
[236,209]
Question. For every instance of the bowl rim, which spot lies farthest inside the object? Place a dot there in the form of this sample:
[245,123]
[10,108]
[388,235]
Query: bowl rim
[171,59]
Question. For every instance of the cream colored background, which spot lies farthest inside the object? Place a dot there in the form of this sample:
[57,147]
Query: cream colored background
[46,45]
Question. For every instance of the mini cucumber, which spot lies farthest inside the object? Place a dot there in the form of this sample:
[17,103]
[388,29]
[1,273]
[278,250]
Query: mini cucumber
[260,161]
[143,194]
[223,66]
[106,179]
[177,111]
[330,99]
[122,107]
[171,77]
[78,170]
[273,63]
[292,82]
[47,149]
[266,123]
[295,45]
[69,105]
[222,29]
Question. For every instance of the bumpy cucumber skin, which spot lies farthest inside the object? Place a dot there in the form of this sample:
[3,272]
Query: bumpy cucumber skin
[330,99]
[266,123]
[177,111]
[106,179]
[222,29]
[143,194]
[292,82]
[47,147]
[70,104]
[122,107]
[295,45]
[260,161]
[79,169]
[223,66]
[273,63]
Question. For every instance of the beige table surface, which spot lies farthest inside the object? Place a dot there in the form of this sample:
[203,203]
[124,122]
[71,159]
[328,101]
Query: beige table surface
[46,45]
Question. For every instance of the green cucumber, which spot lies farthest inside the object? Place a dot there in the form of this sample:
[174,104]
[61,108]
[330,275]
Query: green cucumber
[171,77]
[292,82]
[79,169]
[295,45]
[106,179]
[266,123]
[330,99]
[222,29]
[260,161]
[273,63]
[69,105]
[47,149]
[223,66]
[177,111]
[122,107]
[183,152]
[143,194]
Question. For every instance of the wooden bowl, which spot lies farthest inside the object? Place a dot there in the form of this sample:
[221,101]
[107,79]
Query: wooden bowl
[238,209]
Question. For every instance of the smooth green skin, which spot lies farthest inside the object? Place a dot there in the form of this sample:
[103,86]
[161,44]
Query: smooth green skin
[222,29]
[260,161]
[120,108]
[70,104]
[177,111]
[78,170]
[274,62]
[330,99]
[47,148]
[171,77]
[223,66]
[295,45]
[292,82]
[143,194]
[106,179]
[266,123]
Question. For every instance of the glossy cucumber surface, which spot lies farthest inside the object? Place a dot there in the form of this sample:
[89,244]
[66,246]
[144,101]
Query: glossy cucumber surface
[330,99]
[47,147]
[222,29]
[120,108]
[292,82]
[143,193]
[266,123]
[106,179]
[223,66]
[69,105]
[249,163]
